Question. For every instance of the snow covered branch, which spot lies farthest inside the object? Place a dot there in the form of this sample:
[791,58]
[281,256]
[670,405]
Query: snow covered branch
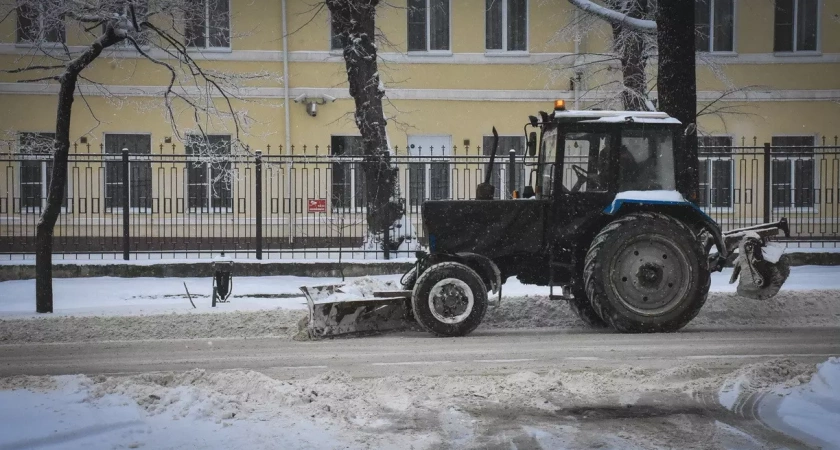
[615,17]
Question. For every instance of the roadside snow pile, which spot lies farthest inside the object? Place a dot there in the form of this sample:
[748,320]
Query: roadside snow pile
[756,378]
[275,323]
[812,409]
[247,409]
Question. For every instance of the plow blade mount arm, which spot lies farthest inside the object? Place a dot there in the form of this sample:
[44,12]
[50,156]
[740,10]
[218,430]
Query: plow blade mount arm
[760,268]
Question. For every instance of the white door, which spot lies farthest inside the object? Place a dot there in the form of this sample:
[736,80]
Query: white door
[428,177]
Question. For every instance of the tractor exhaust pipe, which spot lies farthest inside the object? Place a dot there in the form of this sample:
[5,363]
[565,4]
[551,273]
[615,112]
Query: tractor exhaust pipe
[485,191]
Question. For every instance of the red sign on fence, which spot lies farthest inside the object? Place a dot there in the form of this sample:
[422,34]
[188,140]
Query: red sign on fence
[317,205]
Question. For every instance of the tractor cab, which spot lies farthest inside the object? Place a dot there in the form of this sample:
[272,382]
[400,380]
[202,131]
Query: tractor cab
[604,152]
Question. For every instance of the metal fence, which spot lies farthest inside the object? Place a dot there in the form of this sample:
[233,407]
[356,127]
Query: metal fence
[310,204]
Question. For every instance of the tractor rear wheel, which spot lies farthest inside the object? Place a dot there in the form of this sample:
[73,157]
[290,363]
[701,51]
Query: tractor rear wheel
[646,272]
[582,307]
[449,299]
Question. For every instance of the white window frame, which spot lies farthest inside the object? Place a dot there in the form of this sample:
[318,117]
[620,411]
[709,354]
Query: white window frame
[355,160]
[45,44]
[44,187]
[111,158]
[44,159]
[734,51]
[333,51]
[504,51]
[795,52]
[427,162]
[208,207]
[206,47]
[428,51]
[791,207]
[710,176]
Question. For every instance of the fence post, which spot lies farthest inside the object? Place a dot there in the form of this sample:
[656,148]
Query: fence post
[768,183]
[259,204]
[511,174]
[125,199]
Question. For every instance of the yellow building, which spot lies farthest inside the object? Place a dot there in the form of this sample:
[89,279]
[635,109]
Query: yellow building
[451,69]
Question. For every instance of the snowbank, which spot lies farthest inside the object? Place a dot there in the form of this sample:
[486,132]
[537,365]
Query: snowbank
[810,412]
[245,409]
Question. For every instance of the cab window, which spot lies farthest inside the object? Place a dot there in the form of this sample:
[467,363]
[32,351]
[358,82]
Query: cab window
[646,161]
[585,162]
[548,155]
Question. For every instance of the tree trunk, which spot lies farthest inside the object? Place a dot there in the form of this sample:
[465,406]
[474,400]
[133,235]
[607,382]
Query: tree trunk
[55,193]
[677,83]
[355,21]
[630,45]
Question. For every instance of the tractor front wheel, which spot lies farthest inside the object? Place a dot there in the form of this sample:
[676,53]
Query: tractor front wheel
[646,272]
[449,299]
[582,307]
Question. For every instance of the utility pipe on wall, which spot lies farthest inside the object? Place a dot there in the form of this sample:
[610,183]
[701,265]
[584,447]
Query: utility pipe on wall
[288,128]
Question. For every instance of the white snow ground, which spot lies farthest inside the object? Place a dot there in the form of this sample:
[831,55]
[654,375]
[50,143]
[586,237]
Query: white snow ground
[109,296]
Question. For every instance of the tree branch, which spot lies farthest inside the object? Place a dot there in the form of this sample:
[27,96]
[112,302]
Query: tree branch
[615,17]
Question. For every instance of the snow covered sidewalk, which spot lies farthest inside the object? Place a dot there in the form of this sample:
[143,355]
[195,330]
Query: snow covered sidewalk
[153,296]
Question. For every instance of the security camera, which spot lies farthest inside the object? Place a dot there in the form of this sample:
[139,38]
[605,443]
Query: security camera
[328,98]
[312,109]
[300,98]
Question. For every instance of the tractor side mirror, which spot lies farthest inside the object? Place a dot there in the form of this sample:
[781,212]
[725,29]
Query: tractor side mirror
[690,129]
[532,144]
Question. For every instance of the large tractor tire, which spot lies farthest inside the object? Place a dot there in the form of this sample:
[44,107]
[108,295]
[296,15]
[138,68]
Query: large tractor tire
[582,307]
[449,299]
[646,272]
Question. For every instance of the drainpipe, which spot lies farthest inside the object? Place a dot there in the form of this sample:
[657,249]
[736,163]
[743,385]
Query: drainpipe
[288,141]
[577,57]
[286,79]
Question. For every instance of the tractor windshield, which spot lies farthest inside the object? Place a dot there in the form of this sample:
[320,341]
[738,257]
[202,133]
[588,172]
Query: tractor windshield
[646,161]
[548,156]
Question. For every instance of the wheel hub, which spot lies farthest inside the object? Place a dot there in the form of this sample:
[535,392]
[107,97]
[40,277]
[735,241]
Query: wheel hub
[451,301]
[650,275]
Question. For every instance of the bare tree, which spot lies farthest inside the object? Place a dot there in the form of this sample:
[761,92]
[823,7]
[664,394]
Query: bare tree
[160,31]
[354,22]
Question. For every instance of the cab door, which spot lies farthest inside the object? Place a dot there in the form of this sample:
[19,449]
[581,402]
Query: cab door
[587,180]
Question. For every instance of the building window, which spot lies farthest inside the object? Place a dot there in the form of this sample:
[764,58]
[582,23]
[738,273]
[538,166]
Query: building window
[428,173]
[716,172]
[139,171]
[209,173]
[347,175]
[715,20]
[336,39]
[797,25]
[500,179]
[792,174]
[428,25]
[208,23]
[34,24]
[36,171]
[506,25]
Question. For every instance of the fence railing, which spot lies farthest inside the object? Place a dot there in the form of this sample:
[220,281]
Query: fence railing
[161,205]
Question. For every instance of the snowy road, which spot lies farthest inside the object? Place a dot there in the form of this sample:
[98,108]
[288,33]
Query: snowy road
[483,353]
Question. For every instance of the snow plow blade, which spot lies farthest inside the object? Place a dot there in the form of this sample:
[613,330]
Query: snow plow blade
[761,265]
[384,311]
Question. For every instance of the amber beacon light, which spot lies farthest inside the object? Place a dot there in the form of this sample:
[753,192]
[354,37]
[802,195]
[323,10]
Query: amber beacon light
[560,105]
